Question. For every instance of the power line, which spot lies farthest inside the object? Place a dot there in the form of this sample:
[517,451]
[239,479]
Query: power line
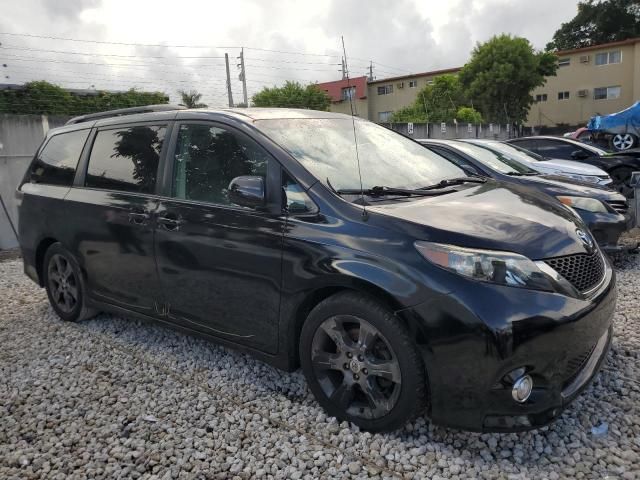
[68,52]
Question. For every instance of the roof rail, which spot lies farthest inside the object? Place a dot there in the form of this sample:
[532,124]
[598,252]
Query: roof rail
[124,111]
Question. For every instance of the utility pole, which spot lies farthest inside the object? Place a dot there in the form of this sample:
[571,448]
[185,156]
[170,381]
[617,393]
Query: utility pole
[243,77]
[371,71]
[226,60]
[344,69]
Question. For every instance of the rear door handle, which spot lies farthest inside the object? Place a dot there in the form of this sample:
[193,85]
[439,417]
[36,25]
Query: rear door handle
[170,222]
[139,218]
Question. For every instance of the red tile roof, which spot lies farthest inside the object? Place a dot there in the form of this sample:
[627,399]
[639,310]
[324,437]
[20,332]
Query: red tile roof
[334,89]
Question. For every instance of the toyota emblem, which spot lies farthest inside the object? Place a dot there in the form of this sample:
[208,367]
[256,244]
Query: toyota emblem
[586,240]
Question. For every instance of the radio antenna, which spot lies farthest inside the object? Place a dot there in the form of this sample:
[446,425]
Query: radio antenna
[353,123]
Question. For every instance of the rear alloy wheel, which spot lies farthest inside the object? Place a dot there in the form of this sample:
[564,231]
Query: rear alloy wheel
[64,285]
[622,181]
[361,364]
[623,141]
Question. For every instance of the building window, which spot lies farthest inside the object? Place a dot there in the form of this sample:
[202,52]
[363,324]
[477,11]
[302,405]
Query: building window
[385,90]
[563,95]
[430,82]
[605,58]
[606,93]
[348,93]
[413,83]
[541,97]
[384,116]
[564,62]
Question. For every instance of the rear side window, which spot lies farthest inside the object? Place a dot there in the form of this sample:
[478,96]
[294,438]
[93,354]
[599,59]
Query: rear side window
[56,164]
[126,159]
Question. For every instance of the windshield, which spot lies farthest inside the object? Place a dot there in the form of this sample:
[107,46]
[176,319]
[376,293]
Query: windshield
[325,147]
[503,162]
[592,148]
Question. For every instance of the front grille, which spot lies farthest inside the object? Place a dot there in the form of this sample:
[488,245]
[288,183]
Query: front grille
[620,206]
[576,364]
[584,271]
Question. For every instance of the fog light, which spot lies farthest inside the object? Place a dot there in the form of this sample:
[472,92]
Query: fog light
[522,388]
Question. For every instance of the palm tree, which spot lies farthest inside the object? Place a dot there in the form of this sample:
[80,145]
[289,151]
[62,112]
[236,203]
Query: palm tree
[191,98]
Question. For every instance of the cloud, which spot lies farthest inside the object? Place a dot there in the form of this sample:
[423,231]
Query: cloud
[401,36]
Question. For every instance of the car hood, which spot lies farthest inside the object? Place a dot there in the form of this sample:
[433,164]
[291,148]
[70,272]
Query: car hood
[493,216]
[568,166]
[558,185]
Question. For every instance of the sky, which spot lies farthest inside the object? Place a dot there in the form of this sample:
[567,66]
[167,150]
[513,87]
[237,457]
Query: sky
[156,45]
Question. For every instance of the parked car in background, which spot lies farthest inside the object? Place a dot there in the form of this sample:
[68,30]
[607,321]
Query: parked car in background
[605,212]
[619,167]
[399,283]
[621,129]
[563,168]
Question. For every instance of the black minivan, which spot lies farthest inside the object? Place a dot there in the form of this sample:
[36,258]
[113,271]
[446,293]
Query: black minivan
[398,284]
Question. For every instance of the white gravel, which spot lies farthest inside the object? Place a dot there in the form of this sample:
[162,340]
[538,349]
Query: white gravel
[118,398]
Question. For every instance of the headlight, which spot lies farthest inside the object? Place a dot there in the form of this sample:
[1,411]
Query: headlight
[584,203]
[503,268]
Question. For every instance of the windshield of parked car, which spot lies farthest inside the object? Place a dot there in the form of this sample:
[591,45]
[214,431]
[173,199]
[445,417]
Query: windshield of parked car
[495,159]
[592,148]
[326,148]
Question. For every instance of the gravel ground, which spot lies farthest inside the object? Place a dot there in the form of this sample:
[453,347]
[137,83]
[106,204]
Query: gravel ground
[118,398]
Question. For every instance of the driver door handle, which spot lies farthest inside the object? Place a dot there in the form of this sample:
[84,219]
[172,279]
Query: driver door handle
[170,222]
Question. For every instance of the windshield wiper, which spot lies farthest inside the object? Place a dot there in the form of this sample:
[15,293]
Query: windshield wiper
[380,190]
[454,181]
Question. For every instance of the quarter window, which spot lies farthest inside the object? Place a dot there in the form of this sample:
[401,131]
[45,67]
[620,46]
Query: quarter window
[126,159]
[56,164]
[208,157]
[295,198]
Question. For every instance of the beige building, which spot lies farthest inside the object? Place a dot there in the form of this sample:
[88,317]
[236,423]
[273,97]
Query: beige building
[595,80]
[391,94]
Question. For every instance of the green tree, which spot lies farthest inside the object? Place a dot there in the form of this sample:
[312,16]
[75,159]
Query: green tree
[292,95]
[42,97]
[468,115]
[438,102]
[501,75]
[598,22]
[191,99]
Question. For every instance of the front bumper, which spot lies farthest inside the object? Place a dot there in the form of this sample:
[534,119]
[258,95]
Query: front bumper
[607,228]
[476,337]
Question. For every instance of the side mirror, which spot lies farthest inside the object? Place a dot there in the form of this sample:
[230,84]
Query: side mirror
[579,155]
[247,191]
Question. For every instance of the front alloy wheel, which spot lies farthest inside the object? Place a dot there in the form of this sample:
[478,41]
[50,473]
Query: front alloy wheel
[361,363]
[356,367]
[623,141]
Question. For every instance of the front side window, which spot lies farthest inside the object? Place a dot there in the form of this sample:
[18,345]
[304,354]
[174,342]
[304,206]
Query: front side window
[208,157]
[126,159]
[56,164]
[326,148]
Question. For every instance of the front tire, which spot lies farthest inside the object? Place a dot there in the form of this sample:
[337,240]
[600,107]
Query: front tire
[65,286]
[623,141]
[361,364]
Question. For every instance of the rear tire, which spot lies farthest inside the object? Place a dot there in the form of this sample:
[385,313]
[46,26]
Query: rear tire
[361,364]
[65,285]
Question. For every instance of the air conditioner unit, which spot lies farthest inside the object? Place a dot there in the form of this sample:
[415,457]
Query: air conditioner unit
[583,93]
[401,85]
[584,59]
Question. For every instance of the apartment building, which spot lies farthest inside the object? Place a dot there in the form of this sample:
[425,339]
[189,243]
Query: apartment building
[595,80]
[341,91]
[601,79]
